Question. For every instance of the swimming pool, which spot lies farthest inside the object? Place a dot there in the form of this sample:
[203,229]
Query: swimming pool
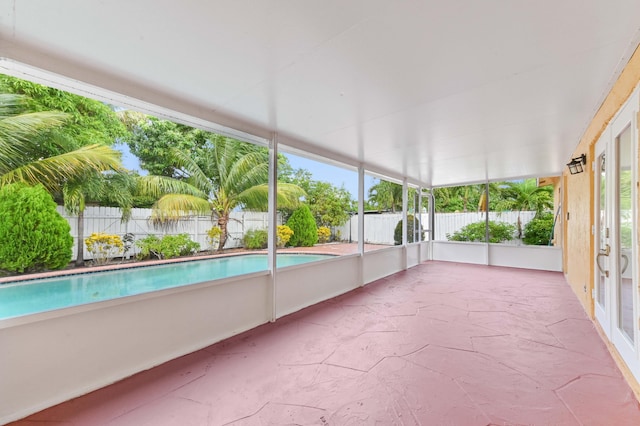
[41,295]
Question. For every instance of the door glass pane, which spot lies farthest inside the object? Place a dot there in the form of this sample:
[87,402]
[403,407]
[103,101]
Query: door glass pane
[602,233]
[625,227]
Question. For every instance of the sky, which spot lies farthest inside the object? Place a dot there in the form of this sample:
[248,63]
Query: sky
[337,176]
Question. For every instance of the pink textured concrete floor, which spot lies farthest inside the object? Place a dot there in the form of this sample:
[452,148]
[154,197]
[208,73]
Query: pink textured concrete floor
[439,344]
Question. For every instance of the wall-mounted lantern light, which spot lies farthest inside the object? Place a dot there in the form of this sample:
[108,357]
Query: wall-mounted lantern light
[575,166]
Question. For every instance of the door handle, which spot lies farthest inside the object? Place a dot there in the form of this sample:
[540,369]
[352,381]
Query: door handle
[601,254]
[602,271]
[626,263]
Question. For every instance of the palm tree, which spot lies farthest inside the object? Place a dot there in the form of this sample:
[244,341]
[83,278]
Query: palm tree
[116,187]
[386,195]
[458,198]
[526,195]
[25,156]
[235,176]
[33,153]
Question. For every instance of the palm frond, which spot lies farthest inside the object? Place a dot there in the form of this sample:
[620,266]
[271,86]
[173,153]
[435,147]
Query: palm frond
[157,186]
[289,195]
[197,176]
[74,199]
[248,170]
[256,197]
[17,133]
[11,104]
[173,207]
[52,171]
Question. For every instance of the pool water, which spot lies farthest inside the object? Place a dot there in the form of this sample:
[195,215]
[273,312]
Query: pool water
[17,299]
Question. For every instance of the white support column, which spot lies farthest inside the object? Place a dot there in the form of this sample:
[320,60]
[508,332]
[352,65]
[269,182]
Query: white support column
[405,206]
[361,224]
[432,221]
[361,210]
[486,225]
[272,221]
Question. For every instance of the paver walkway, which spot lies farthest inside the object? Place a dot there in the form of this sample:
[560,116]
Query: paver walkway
[439,344]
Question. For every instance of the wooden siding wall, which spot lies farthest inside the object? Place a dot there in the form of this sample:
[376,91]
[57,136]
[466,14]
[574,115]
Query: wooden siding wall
[578,257]
[578,212]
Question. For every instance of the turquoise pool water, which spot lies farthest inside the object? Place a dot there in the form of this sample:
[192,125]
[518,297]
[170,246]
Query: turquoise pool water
[47,294]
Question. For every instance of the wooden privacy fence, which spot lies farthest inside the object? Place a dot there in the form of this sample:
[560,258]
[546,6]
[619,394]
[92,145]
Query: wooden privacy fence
[378,228]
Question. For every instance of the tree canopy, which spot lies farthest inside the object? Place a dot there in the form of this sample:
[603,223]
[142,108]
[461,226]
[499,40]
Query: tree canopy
[329,205]
[90,121]
[24,159]
[385,196]
[503,196]
[153,141]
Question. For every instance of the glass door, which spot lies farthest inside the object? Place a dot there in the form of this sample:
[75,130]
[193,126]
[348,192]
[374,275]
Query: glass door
[615,205]
[602,284]
[624,303]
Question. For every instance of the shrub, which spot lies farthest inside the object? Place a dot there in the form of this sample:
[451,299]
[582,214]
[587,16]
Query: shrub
[104,247]
[412,234]
[255,239]
[498,232]
[303,225]
[128,240]
[168,247]
[213,237]
[149,246]
[178,245]
[284,234]
[34,235]
[538,230]
[323,234]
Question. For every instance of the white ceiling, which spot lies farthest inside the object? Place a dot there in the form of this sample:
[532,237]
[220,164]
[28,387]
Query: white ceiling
[442,92]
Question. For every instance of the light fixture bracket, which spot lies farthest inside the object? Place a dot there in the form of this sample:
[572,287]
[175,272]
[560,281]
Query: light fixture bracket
[576,164]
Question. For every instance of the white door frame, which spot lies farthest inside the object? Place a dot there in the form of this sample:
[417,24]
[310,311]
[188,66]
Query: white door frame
[601,237]
[609,256]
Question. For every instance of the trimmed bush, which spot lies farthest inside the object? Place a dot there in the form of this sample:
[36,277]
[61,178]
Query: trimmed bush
[34,235]
[303,225]
[538,231]
[255,239]
[324,233]
[412,234]
[168,247]
[498,232]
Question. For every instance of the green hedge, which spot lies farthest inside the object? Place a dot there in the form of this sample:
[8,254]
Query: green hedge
[303,225]
[34,235]
[256,239]
[498,232]
[167,247]
[538,230]
[412,234]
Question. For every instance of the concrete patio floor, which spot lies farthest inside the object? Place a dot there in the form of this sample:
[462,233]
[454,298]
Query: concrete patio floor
[439,344]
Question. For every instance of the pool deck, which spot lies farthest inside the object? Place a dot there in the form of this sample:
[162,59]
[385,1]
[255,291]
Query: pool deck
[439,344]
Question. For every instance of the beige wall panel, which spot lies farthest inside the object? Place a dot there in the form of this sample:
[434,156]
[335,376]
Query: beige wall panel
[578,258]
[577,221]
